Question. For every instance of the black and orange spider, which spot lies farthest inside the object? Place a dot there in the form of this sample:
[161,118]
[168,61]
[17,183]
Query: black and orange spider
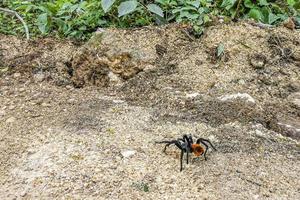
[186,145]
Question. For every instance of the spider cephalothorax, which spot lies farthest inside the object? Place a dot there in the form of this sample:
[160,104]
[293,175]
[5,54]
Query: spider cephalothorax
[186,145]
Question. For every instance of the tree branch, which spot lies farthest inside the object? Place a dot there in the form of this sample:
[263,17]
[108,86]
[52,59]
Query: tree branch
[11,12]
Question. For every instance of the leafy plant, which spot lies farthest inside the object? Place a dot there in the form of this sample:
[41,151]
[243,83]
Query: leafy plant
[80,18]
[142,186]
[130,6]
[261,10]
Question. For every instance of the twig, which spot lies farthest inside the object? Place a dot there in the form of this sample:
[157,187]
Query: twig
[19,17]
[188,35]
[237,9]
[253,182]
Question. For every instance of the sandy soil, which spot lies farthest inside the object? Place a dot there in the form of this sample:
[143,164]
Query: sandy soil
[58,141]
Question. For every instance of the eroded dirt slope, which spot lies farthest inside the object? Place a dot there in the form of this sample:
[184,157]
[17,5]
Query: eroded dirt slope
[80,122]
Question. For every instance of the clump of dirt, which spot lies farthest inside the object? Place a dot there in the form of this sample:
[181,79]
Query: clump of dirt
[48,56]
[91,69]
[114,56]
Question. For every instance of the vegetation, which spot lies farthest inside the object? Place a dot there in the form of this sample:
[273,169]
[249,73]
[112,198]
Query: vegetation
[79,18]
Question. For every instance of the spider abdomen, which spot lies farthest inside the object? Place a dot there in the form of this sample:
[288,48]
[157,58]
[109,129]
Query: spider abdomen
[197,149]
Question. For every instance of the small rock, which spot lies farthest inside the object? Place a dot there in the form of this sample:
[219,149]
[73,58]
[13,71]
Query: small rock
[149,68]
[244,96]
[71,101]
[21,89]
[117,101]
[2,112]
[46,104]
[259,133]
[23,194]
[295,99]
[69,87]
[192,95]
[114,78]
[212,138]
[17,75]
[100,30]
[10,120]
[168,88]
[118,158]
[242,82]
[11,107]
[4,88]
[128,153]
[39,77]
[290,127]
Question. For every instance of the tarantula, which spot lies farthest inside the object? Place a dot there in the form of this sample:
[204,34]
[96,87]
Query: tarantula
[186,145]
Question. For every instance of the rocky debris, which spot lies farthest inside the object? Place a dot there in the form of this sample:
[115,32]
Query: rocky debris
[11,120]
[118,101]
[44,104]
[92,69]
[11,107]
[2,113]
[294,98]
[290,127]
[71,101]
[243,96]
[192,95]
[39,77]
[114,79]
[128,153]
[17,75]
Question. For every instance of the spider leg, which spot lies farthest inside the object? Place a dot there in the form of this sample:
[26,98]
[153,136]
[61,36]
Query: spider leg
[191,139]
[181,157]
[206,148]
[168,143]
[187,157]
[204,140]
[191,142]
[187,141]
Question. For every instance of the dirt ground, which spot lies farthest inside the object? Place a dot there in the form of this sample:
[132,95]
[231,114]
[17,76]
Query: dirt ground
[81,121]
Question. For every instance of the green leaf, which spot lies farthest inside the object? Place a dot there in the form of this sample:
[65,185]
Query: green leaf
[297,5]
[249,4]
[256,14]
[185,8]
[42,22]
[126,8]
[263,3]
[228,4]
[106,4]
[272,18]
[155,9]
[297,19]
[206,19]
[196,3]
[186,15]
[291,2]
[220,50]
